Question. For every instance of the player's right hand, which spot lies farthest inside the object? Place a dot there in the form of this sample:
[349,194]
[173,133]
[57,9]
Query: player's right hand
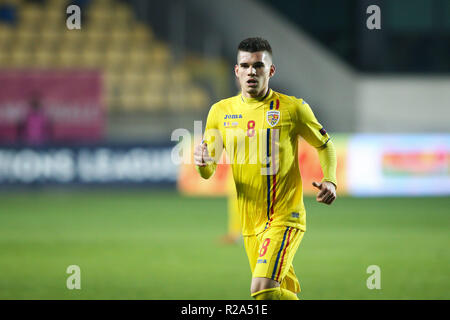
[327,192]
[201,155]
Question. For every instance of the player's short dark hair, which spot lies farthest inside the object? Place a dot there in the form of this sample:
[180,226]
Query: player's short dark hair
[254,45]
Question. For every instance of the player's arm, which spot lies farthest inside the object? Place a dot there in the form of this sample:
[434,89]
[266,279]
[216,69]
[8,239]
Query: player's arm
[205,161]
[313,132]
[328,162]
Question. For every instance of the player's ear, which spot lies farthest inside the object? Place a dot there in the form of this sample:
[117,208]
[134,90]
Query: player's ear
[236,69]
[272,70]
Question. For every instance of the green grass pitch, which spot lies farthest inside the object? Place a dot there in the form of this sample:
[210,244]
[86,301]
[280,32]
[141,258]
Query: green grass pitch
[159,245]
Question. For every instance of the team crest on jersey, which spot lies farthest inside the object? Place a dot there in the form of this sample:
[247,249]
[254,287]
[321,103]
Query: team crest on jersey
[273,117]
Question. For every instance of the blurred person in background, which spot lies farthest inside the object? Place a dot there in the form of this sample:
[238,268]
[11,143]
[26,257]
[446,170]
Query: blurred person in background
[233,234]
[269,193]
[36,128]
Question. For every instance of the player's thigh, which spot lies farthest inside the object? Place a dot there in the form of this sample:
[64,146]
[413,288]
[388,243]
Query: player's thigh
[277,249]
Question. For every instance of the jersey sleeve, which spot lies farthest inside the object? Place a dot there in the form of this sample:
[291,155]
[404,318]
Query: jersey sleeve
[308,127]
[313,132]
[211,126]
[328,162]
[213,141]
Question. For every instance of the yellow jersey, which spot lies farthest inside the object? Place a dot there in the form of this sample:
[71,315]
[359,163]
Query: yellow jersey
[260,137]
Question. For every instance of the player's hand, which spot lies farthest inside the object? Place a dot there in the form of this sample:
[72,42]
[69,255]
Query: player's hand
[201,155]
[327,193]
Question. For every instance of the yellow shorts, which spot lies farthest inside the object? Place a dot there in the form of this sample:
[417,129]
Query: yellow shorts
[271,252]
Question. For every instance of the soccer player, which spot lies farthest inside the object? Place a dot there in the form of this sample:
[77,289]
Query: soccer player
[259,129]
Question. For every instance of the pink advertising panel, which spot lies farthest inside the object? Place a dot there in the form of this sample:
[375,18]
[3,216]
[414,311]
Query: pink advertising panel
[51,106]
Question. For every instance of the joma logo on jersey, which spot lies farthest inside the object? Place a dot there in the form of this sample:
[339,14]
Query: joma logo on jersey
[233,116]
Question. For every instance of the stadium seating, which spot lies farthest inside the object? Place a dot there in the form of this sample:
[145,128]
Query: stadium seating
[138,69]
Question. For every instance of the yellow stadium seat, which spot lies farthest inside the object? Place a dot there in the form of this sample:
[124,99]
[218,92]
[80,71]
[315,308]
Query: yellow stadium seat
[93,38]
[101,6]
[68,59]
[71,40]
[25,27]
[103,27]
[98,16]
[114,59]
[142,69]
[119,35]
[6,35]
[26,37]
[21,59]
[55,15]
[51,28]
[91,59]
[44,59]
[116,46]
[122,14]
[129,102]
[5,59]
[177,99]
[179,76]
[156,77]
[19,49]
[160,54]
[199,98]
[141,33]
[48,39]
[90,45]
[56,4]
[30,13]
[153,100]
[138,56]
[132,81]
[112,76]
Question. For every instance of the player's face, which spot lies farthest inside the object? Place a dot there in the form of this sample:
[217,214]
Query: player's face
[253,71]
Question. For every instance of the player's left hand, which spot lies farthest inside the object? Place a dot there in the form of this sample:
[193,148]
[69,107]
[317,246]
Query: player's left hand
[327,193]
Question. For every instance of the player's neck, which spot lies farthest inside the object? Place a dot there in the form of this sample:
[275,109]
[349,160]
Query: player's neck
[260,97]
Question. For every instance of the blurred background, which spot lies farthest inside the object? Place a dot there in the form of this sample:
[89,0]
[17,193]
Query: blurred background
[86,123]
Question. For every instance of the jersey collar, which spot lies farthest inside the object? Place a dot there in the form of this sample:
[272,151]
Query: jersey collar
[257,101]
